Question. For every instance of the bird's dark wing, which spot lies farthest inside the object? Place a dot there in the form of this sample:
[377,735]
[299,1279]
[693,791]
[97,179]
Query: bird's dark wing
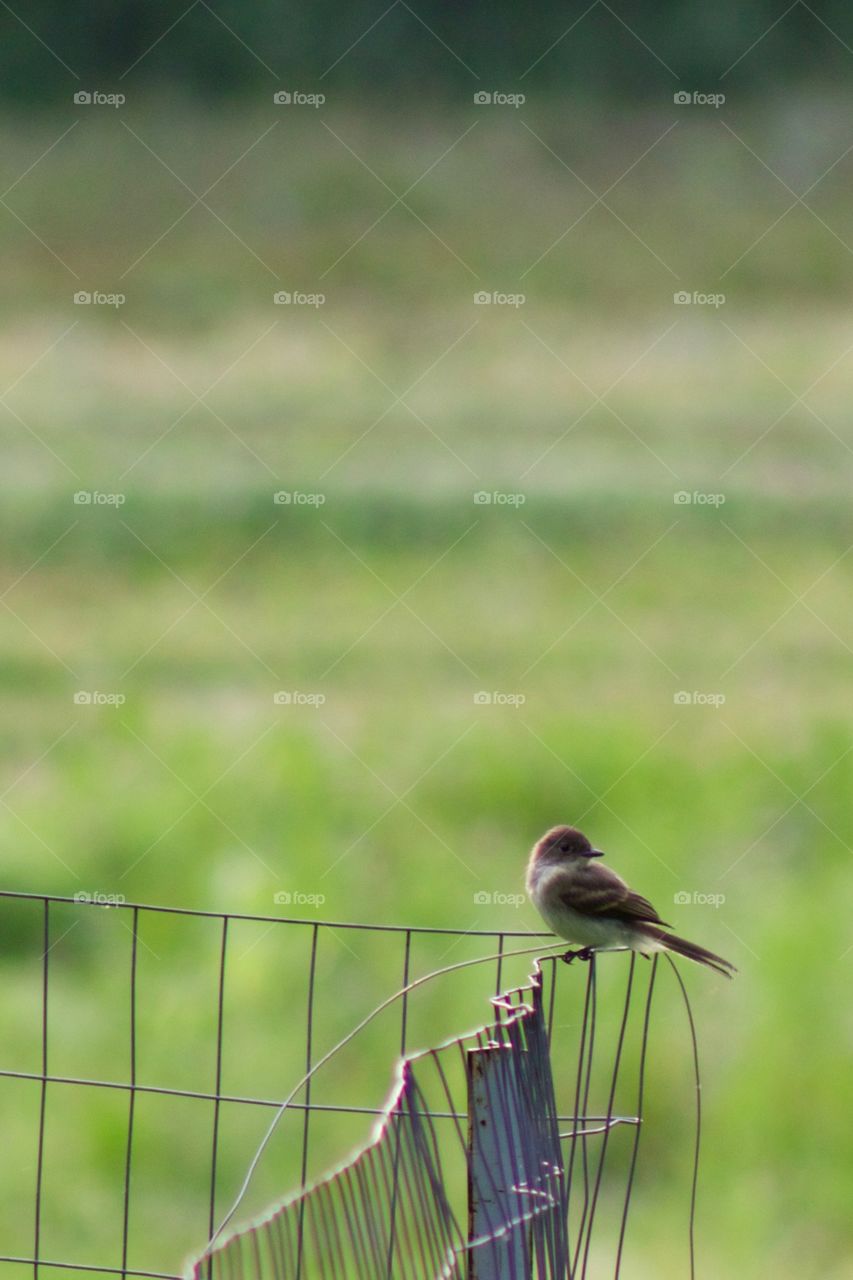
[598,891]
[635,907]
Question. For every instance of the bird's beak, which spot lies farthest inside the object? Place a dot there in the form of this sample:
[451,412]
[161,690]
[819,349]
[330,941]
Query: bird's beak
[595,853]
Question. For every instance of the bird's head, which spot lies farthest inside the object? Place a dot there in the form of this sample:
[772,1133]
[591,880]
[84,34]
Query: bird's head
[561,845]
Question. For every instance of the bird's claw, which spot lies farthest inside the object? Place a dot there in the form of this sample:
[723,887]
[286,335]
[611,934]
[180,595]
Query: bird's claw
[585,953]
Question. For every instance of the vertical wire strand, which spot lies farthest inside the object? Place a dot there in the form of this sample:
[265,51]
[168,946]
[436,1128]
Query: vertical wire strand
[131,1105]
[220,1029]
[582,1118]
[319,1251]
[355,1225]
[404,1014]
[254,1239]
[698,1082]
[558,1242]
[577,1120]
[508,1170]
[415,1222]
[306,1121]
[610,1101]
[373,1199]
[499,975]
[442,1230]
[341,1187]
[365,1199]
[552,996]
[278,1251]
[640,1091]
[515,1084]
[43,1103]
[331,1230]
[386,1175]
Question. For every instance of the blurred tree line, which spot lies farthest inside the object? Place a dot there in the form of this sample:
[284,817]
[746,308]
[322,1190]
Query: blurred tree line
[428,49]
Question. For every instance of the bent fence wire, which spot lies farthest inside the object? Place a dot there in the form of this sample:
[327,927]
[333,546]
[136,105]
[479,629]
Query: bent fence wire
[476,1168]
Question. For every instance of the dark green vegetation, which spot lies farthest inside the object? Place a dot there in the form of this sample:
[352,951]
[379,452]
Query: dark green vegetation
[230,49]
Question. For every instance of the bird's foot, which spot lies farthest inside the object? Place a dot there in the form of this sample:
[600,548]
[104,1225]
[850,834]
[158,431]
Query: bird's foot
[585,953]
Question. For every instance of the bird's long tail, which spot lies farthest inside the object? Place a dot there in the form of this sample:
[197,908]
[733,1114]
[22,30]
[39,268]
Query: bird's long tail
[692,950]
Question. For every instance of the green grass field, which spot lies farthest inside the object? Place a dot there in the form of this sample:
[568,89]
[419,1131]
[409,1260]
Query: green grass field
[397,599]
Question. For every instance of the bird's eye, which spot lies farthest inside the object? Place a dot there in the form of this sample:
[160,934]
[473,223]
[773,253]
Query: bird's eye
[564,845]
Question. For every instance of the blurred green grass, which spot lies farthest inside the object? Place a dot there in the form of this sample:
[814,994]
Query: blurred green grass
[400,597]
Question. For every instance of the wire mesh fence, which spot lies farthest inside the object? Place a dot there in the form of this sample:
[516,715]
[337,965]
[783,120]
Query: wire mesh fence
[146,1053]
[390,1211]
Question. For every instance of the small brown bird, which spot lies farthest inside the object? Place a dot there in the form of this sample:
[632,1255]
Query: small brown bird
[585,902]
